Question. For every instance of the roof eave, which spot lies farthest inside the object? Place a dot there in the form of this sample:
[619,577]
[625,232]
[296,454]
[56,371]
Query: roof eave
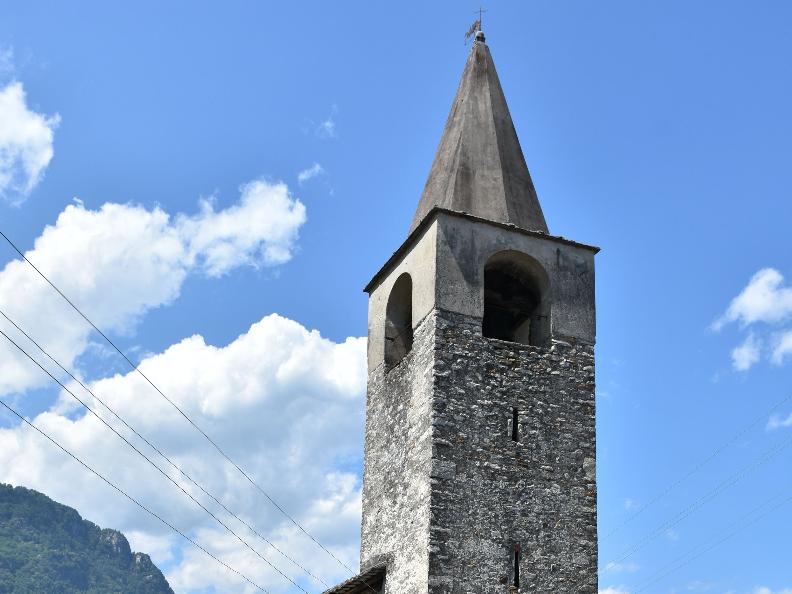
[362,582]
[433,214]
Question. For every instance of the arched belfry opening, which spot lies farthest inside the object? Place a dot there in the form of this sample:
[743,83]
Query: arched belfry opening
[398,321]
[516,299]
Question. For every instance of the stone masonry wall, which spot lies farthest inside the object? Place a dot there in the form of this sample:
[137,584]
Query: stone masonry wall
[396,491]
[489,492]
[448,493]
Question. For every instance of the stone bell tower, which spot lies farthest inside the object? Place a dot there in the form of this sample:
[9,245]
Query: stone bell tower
[480,435]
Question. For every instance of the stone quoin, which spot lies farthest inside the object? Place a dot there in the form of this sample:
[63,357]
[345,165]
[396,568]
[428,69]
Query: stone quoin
[480,422]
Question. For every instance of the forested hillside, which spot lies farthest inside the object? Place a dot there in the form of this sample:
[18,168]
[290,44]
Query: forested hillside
[47,548]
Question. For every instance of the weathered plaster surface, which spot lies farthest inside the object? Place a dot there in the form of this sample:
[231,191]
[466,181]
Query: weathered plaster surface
[396,489]
[446,264]
[465,246]
[420,263]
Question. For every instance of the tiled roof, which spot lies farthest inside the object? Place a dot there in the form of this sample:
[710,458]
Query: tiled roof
[365,582]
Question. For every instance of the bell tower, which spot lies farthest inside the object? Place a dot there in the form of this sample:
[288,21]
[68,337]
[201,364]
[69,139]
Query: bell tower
[480,435]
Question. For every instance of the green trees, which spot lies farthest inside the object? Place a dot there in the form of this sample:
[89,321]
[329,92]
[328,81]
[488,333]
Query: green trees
[47,548]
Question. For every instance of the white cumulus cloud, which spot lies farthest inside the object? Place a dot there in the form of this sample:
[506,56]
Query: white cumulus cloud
[765,590]
[26,143]
[776,422]
[307,174]
[260,230]
[284,402]
[118,262]
[765,302]
[764,299]
[747,354]
[783,347]
[612,590]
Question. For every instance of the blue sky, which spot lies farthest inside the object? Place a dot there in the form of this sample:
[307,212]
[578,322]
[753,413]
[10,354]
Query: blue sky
[658,131]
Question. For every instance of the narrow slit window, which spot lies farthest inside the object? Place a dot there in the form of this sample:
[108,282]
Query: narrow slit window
[515,425]
[516,568]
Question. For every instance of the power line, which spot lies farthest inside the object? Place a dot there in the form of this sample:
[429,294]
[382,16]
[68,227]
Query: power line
[132,499]
[691,555]
[684,514]
[150,461]
[709,496]
[153,447]
[737,436]
[724,485]
[181,412]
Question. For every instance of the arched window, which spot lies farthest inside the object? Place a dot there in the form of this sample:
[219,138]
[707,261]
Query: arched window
[516,299]
[398,321]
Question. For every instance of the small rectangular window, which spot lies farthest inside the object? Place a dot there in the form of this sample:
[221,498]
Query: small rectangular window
[516,567]
[515,425]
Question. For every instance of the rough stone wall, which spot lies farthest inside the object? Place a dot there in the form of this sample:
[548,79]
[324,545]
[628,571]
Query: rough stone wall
[490,492]
[396,490]
[448,493]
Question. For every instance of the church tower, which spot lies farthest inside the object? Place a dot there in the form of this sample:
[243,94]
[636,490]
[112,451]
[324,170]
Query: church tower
[480,435]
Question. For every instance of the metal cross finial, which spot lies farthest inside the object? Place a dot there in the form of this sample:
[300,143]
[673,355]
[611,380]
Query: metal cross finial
[481,12]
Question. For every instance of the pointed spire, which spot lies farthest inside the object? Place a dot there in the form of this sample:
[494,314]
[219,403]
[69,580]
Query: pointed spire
[479,167]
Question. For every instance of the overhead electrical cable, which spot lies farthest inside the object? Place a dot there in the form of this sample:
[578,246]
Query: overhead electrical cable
[179,409]
[132,499]
[715,453]
[738,527]
[724,485]
[721,487]
[154,464]
[158,450]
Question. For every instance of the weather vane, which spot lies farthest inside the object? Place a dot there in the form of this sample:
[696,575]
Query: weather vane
[476,26]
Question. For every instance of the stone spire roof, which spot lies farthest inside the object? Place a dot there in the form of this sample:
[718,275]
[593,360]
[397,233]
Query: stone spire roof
[479,167]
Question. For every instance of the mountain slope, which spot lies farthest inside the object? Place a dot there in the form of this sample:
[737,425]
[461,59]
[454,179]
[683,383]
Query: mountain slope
[47,548]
